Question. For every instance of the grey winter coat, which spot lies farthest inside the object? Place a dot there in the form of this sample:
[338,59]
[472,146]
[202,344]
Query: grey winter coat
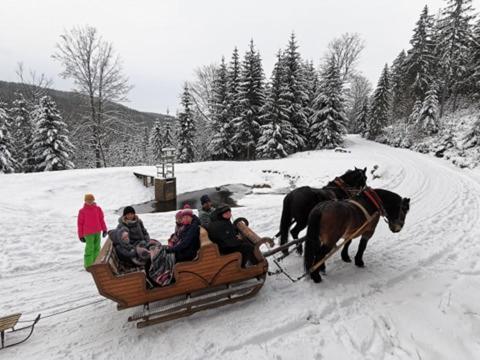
[204,216]
[135,228]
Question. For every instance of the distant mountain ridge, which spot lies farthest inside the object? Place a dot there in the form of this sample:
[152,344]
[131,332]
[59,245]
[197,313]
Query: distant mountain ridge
[70,104]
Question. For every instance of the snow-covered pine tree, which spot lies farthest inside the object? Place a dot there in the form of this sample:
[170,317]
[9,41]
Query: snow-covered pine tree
[220,146]
[328,120]
[311,89]
[454,40]
[380,106]
[427,120]
[156,140]
[51,146]
[278,135]
[7,162]
[169,135]
[419,61]
[472,79]
[296,96]
[416,111]
[186,129]
[400,97]
[361,118]
[251,98]
[233,86]
[22,134]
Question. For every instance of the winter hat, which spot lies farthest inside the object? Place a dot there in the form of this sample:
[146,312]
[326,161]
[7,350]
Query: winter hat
[178,215]
[223,209]
[128,210]
[187,210]
[204,199]
[89,198]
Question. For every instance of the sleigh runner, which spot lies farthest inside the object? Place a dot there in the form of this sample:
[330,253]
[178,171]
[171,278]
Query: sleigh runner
[209,281]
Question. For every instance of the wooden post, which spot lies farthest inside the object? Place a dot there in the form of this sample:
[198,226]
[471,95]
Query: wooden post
[165,189]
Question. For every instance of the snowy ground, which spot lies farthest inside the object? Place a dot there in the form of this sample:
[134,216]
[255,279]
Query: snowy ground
[417,298]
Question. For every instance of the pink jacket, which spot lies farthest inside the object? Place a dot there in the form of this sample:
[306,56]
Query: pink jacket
[90,220]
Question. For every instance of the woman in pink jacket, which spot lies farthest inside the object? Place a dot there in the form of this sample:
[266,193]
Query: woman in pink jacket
[90,225]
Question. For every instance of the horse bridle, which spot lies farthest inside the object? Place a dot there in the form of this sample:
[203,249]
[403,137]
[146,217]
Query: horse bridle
[346,189]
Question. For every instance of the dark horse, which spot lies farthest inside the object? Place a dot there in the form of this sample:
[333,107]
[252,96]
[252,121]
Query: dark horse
[331,220]
[298,203]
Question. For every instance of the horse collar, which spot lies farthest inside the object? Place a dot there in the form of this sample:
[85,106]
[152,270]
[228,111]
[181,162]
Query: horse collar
[341,185]
[375,199]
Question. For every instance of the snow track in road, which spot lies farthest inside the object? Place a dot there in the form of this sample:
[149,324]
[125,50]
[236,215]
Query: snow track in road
[417,297]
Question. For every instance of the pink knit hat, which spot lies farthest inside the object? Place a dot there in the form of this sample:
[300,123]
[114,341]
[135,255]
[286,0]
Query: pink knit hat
[186,211]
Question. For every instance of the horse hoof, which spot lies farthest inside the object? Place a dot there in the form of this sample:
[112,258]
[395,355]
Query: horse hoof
[285,252]
[316,278]
[346,259]
[359,263]
[299,250]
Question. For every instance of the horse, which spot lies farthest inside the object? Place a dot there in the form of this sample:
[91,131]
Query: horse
[331,220]
[298,203]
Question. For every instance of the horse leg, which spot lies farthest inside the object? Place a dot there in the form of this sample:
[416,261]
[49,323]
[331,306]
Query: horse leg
[300,225]
[345,256]
[361,249]
[323,251]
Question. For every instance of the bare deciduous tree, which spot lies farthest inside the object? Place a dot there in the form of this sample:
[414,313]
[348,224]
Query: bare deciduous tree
[34,86]
[96,70]
[201,89]
[345,51]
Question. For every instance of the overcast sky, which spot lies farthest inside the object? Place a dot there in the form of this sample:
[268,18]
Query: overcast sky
[161,42]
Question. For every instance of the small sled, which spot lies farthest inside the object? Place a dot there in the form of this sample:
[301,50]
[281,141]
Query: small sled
[210,280]
[7,326]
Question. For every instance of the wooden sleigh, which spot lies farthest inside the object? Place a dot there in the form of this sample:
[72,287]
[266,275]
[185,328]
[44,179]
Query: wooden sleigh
[209,281]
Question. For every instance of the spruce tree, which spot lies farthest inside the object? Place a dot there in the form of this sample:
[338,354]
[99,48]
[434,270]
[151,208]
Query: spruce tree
[295,95]
[328,122]
[220,145]
[169,135]
[311,89]
[51,147]
[427,120]
[7,162]
[416,111]
[156,141]
[22,134]
[361,118]
[454,40]
[186,129]
[233,86]
[419,61]
[251,98]
[398,81]
[380,106]
[278,136]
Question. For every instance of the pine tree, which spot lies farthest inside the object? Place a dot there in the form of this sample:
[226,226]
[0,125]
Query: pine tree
[169,136]
[233,86]
[427,120]
[419,61]
[22,134]
[398,79]
[454,40]
[472,79]
[220,145]
[416,111]
[311,89]
[51,148]
[328,121]
[156,141]
[296,95]
[186,129]
[380,106]
[361,118]
[251,98]
[7,162]
[278,136]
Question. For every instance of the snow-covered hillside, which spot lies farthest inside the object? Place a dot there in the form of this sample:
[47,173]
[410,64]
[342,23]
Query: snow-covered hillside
[417,297]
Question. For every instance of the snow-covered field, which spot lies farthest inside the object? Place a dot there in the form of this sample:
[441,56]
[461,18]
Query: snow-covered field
[417,297]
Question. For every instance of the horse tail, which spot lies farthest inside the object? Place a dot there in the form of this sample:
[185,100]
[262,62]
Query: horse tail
[285,221]
[312,242]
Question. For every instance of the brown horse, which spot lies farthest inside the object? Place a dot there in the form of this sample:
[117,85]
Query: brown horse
[298,203]
[330,221]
